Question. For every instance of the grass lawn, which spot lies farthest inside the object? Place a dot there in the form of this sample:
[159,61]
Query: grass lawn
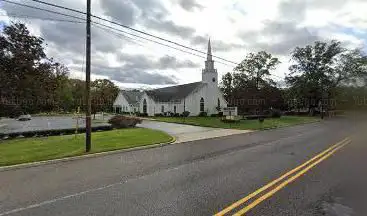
[44,148]
[284,121]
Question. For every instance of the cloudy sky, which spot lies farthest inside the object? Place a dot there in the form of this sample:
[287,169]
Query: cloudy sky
[236,27]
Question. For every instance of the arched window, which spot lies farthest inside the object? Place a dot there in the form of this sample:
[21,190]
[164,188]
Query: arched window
[218,103]
[162,109]
[174,109]
[145,106]
[202,105]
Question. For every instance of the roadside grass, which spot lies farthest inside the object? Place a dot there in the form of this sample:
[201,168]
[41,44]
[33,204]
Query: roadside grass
[24,150]
[215,122]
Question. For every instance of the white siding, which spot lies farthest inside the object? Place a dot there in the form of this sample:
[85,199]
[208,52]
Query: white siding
[191,103]
[154,108]
[210,94]
[124,104]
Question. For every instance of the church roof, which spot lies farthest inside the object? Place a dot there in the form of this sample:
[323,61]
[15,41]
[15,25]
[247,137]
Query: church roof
[133,97]
[173,93]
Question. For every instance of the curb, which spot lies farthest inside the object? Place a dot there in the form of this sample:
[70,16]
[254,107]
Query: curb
[92,155]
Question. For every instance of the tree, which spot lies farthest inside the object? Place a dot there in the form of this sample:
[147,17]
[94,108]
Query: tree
[226,85]
[319,68]
[103,94]
[257,67]
[24,69]
[250,87]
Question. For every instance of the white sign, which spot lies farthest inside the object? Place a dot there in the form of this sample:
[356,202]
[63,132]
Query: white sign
[229,111]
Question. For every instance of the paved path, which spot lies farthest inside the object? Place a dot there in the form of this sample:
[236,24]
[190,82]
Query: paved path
[195,178]
[185,133]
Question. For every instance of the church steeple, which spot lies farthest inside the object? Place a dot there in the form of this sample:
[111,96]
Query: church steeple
[209,73]
[209,53]
[209,63]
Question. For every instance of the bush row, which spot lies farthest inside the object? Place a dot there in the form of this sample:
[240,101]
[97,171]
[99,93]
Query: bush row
[121,121]
[53,132]
[171,114]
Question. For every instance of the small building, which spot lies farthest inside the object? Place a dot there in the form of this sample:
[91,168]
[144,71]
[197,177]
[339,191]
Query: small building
[197,97]
[127,101]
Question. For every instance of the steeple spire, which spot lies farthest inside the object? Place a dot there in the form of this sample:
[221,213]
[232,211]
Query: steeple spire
[209,53]
[209,73]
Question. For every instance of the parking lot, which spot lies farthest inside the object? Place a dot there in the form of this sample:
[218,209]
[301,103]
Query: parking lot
[8,125]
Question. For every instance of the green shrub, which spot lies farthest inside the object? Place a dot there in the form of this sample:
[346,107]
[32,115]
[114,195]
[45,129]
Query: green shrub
[124,121]
[158,115]
[214,115]
[185,114]
[230,120]
[275,113]
[142,114]
[220,114]
[176,114]
[203,114]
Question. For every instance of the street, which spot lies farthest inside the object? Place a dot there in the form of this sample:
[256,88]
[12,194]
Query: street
[201,177]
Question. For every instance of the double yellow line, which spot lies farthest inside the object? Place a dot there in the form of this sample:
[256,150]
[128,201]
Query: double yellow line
[287,177]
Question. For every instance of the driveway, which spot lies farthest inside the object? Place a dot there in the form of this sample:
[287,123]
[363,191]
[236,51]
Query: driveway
[185,133]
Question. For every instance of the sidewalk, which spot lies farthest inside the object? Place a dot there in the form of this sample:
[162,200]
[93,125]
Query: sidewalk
[186,133]
[186,137]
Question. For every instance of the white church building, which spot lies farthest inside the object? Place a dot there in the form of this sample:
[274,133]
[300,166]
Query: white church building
[197,97]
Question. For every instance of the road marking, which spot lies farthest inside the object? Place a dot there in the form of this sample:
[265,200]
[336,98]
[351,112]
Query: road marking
[265,187]
[288,181]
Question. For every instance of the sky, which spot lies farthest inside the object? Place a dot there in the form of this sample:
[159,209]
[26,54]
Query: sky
[236,27]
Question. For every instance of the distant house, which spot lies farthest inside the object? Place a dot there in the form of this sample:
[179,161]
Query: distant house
[197,97]
[127,101]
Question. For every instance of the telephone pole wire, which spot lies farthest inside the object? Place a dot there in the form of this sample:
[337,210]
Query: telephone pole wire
[88,131]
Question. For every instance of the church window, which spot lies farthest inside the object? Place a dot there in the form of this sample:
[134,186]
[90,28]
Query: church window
[144,106]
[202,105]
[162,109]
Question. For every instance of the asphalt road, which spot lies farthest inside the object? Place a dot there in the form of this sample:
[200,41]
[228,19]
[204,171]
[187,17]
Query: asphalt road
[199,177]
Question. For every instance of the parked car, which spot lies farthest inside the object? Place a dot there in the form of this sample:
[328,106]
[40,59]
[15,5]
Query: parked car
[24,117]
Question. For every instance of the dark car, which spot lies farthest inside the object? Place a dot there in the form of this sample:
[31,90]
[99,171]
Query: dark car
[24,117]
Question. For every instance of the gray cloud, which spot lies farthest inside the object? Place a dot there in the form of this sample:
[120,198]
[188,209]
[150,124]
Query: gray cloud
[285,37]
[295,10]
[137,68]
[142,62]
[133,75]
[190,5]
[120,10]
[217,45]
[170,27]
[67,36]
[171,62]
[150,13]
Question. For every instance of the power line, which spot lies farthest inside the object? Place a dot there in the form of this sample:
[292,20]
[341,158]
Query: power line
[110,27]
[156,42]
[40,18]
[43,9]
[133,29]
[119,30]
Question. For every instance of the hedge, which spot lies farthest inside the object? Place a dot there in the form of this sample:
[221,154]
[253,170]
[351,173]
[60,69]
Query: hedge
[53,132]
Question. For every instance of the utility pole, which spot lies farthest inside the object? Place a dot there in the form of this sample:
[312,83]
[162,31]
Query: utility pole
[88,131]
